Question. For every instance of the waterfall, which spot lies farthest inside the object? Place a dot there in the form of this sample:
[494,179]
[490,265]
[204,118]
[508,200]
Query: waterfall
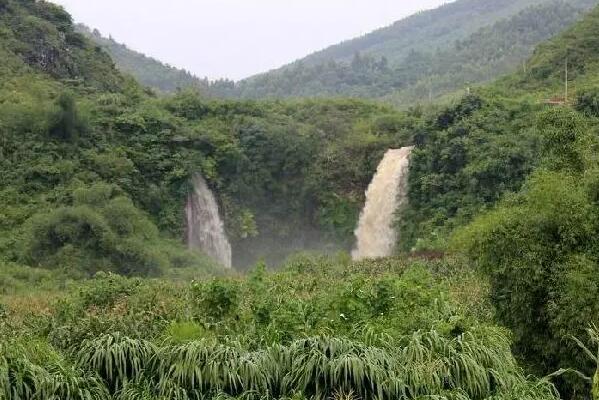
[387,191]
[205,229]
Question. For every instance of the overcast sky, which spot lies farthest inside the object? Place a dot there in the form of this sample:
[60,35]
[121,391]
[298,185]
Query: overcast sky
[237,38]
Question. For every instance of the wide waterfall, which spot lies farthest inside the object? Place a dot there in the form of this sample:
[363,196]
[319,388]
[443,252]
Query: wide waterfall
[387,191]
[205,228]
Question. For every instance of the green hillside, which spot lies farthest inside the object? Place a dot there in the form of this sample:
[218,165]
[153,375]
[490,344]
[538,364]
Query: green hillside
[37,36]
[433,55]
[426,30]
[427,56]
[493,293]
[149,71]
[79,132]
[537,245]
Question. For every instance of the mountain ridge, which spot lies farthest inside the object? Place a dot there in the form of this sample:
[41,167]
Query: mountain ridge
[373,74]
[426,57]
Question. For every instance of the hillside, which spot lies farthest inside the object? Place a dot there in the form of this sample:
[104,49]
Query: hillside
[149,71]
[288,175]
[536,242]
[425,30]
[426,56]
[41,37]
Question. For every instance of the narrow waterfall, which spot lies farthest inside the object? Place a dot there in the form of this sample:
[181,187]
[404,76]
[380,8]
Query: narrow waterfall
[387,191]
[205,229]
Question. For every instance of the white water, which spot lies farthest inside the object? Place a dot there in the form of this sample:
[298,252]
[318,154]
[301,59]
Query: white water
[375,234]
[205,229]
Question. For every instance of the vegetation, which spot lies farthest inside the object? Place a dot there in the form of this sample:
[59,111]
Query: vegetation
[399,332]
[288,175]
[427,56]
[538,245]
[151,72]
[493,295]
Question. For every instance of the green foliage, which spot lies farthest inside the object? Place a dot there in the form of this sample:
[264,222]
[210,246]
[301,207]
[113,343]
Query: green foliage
[466,159]
[106,289]
[66,123]
[268,336]
[577,45]
[588,102]
[216,299]
[16,278]
[37,371]
[111,303]
[538,248]
[565,139]
[42,36]
[100,232]
[475,365]
[183,332]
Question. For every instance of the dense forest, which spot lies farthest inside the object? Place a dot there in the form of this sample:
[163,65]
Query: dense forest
[493,292]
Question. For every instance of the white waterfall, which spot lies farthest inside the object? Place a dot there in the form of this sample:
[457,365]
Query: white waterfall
[375,234]
[205,228]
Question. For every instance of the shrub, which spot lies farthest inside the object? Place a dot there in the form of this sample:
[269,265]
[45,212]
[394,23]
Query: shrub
[538,250]
[588,102]
[217,299]
[100,232]
[104,290]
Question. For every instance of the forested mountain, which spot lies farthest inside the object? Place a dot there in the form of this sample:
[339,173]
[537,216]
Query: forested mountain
[149,71]
[426,56]
[536,240]
[416,60]
[426,30]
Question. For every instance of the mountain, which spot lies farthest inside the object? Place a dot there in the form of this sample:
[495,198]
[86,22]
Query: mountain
[40,37]
[149,71]
[425,30]
[423,58]
[426,56]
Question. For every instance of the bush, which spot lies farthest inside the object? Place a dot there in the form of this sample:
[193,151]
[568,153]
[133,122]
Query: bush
[588,102]
[104,290]
[217,299]
[99,232]
[538,248]
[66,124]
[565,139]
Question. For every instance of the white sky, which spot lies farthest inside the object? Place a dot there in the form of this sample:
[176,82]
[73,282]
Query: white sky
[237,38]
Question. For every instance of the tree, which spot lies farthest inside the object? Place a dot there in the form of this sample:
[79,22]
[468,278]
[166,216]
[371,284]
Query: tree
[66,123]
[539,249]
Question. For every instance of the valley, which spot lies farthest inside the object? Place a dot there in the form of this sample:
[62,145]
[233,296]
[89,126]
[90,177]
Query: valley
[166,239]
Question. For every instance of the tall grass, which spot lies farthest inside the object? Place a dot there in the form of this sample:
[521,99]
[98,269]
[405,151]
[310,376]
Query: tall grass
[475,365]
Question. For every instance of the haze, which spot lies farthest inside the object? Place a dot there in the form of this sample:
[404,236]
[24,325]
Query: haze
[237,38]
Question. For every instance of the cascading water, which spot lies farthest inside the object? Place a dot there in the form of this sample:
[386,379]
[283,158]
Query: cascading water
[387,191]
[205,229]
